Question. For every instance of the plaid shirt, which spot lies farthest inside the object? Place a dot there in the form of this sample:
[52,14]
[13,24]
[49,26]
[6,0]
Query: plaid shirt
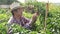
[25,22]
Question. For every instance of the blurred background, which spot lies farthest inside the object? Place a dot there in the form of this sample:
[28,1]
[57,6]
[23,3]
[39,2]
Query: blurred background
[48,22]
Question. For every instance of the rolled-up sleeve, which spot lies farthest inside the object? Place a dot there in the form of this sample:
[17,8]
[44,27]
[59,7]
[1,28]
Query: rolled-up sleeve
[27,25]
[10,22]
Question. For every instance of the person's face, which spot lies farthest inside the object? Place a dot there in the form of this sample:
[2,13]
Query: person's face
[18,13]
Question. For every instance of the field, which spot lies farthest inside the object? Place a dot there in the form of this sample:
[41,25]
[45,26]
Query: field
[52,26]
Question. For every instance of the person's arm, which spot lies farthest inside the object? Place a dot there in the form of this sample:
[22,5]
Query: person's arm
[34,18]
[29,24]
[10,22]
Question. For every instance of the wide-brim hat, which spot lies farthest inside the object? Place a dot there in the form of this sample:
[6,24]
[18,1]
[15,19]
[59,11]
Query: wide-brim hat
[15,5]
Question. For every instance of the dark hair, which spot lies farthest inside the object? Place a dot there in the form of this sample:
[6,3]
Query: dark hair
[13,10]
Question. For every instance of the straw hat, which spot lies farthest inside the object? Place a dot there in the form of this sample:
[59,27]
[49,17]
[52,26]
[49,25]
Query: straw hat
[14,5]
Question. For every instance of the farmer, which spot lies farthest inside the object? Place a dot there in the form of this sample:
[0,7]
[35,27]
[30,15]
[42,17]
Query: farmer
[18,18]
